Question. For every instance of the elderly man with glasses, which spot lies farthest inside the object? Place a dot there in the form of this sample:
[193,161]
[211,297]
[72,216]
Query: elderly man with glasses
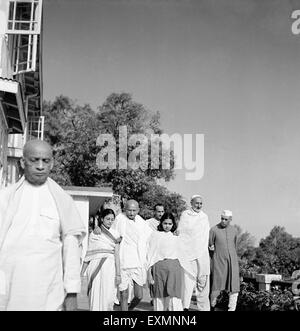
[224,264]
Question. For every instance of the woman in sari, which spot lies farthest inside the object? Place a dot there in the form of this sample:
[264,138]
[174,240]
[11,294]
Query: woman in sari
[102,264]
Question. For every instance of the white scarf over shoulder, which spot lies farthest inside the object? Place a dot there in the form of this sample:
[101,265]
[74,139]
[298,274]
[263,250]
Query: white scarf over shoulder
[193,231]
[70,220]
[162,245]
[144,232]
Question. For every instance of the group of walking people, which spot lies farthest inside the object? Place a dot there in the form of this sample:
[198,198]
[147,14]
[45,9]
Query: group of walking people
[41,235]
[174,259]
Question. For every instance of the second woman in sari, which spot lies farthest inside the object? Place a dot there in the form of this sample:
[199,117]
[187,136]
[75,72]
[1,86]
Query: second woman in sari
[102,264]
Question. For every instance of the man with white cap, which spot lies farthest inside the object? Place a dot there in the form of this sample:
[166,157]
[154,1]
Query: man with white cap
[224,267]
[193,231]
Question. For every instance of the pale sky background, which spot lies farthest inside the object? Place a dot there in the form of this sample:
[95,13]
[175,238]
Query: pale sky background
[227,69]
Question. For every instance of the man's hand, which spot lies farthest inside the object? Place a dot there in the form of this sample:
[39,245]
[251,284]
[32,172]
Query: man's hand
[150,280]
[211,248]
[97,230]
[70,303]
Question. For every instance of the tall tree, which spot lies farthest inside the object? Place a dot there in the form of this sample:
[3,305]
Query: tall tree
[278,252]
[73,131]
[245,242]
[120,110]
[245,250]
[172,201]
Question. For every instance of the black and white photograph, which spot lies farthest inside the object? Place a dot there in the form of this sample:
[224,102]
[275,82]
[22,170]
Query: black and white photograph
[149,158]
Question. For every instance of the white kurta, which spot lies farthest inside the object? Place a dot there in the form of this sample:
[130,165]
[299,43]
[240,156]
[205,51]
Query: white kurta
[135,234]
[193,231]
[31,262]
[153,223]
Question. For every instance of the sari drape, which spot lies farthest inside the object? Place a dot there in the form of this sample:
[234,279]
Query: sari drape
[101,269]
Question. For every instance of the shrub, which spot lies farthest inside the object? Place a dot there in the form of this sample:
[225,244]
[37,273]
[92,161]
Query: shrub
[251,299]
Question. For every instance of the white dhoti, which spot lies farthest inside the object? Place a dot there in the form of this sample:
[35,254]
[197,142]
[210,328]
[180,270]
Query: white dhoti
[130,275]
[135,234]
[202,297]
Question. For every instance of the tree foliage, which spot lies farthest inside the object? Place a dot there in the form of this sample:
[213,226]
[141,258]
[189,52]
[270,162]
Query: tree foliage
[120,110]
[245,250]
[172,201]
[245,243]
[278,253]
[73,131]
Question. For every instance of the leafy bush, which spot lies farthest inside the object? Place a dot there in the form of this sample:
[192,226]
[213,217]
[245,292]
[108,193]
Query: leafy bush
[246,267]
[252,300]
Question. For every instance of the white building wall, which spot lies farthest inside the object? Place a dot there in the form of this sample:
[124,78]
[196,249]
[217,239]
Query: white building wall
[16,143]
[3,149]
[5,72]
[5,61]
[82,204]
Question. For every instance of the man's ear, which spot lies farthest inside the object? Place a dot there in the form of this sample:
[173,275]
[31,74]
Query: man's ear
[22,162]
[51,164]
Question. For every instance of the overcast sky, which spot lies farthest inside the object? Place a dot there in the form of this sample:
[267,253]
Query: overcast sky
[227,69]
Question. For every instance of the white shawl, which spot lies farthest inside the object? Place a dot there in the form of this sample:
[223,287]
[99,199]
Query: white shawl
[144,231]
[162,245]
[193,231]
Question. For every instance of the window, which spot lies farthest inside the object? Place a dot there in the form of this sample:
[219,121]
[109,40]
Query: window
[24,50]
[24,17]
[23,29]
[35,128]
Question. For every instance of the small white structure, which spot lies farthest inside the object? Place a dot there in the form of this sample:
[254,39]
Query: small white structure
[265,280]
[88,200]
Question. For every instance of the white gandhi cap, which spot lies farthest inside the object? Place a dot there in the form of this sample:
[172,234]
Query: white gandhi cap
[226,213]
[196,196]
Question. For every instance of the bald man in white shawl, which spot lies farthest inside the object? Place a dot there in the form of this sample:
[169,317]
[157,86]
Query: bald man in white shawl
[40,237]
[193,230]
[135,233]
